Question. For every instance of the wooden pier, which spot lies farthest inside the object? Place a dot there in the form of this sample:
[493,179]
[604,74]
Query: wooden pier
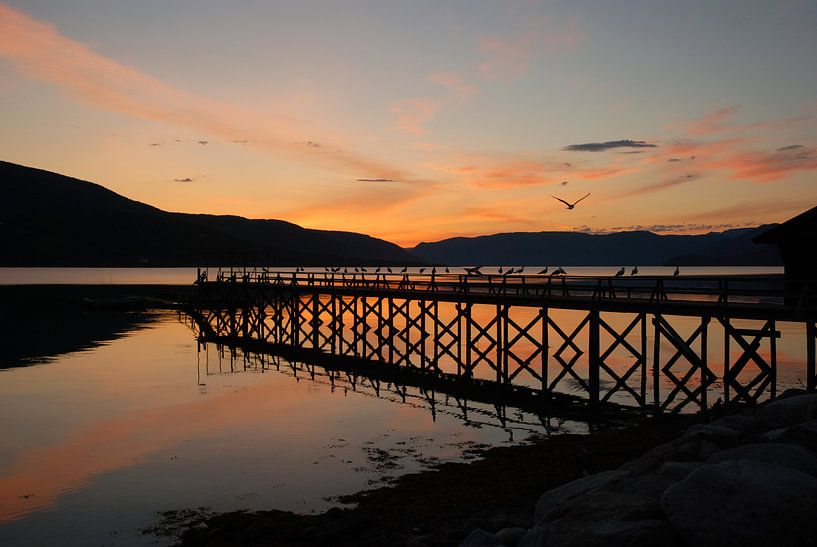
[643,342]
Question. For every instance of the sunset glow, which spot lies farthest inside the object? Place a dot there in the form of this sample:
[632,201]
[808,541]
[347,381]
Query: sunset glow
[415,122]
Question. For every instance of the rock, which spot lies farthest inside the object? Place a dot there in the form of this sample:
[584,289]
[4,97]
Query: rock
[747,425]
[651,485]
[566,492]
[790,456]
[605,505]
[480,538]
[695,448]
[741,502]
[509,537]
[678,471]
[610,533]
[792,410]
[721,435]
[803,435]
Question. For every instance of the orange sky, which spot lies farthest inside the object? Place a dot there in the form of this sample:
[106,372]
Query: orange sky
[469,131]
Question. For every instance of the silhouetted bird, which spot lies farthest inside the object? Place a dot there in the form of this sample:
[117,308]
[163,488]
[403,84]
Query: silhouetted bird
[421,270]
[500,269]
[473,270]
[635,271]
[405,268]
[543,272]
[377,270]
[520,270]
[620,272]
[559,271]
[388,269]
[362,269]
[571,205]
[447,270]
[434,269]
[676,272]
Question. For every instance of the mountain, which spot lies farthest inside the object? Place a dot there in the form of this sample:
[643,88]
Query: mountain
[48,219]
[732,247]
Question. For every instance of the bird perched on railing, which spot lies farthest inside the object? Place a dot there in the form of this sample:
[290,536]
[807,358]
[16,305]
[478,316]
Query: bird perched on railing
[559,271]
[620,272]
[405,268]
[544,271]
[447,270]
[635,271]
[473,270]
[676,272]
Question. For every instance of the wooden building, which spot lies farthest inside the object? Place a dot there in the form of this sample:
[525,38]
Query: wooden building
[797,241]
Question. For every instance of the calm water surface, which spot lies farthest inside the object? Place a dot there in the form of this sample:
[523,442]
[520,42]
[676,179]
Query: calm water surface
[96,442]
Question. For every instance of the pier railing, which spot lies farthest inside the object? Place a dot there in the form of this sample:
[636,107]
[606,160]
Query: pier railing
[642,341]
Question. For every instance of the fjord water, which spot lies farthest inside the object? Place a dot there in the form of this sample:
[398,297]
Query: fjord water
[96,442]
[99,437]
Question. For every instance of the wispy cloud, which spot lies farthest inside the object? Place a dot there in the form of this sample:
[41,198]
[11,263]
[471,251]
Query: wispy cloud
[507,57]
[376,180]
[40,51]
[607,145]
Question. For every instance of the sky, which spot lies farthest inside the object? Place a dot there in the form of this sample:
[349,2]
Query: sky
[417,121]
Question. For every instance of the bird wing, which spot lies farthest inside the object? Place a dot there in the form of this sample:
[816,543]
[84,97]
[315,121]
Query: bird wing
[578,200]
[560,199]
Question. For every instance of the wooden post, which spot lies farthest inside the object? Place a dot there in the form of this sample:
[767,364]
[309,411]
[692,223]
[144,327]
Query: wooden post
[811,356]
[593,354]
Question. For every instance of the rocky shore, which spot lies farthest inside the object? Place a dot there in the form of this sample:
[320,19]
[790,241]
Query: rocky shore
[743,479]
[442,505]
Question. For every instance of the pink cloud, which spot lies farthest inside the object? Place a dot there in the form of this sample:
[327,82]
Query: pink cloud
[38,50]
[509,57]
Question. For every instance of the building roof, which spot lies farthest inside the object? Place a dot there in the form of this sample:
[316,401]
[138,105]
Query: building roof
[799,226]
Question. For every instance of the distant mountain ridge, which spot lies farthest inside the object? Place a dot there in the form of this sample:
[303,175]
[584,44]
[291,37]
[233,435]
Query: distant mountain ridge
[728,248]
[48,219]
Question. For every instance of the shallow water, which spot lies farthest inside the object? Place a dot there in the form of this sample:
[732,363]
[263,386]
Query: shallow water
[95,442]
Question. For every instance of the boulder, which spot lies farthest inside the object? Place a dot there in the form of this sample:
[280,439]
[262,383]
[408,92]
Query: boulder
[802,434]
[742,502]
[678,471]
[721,435]
[608,533]
[480,538]
[791,410]
[748,425]
[790,456]
[566,492]
[651,485]
[602,505]
[510,537]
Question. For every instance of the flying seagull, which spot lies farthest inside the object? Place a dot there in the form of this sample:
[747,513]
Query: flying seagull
[571,205]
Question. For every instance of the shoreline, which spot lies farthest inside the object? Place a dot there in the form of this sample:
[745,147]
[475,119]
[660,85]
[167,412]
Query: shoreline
[441,505]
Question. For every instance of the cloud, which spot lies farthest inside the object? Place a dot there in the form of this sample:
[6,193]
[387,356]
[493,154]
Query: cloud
[413,113]
[608,145]
[680,227]
[657,186]
[502,172]
[376,180]
[38,50]
[713,122]
[790,147]
[509,57]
